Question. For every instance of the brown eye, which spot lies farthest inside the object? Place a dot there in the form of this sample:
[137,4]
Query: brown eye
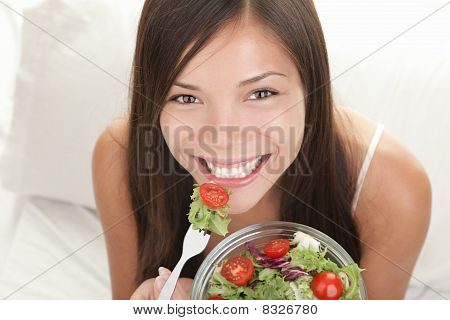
[263,94]
[185,99]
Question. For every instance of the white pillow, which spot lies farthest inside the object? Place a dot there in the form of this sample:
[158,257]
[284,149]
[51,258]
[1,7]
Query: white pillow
[72,81]
[9,28]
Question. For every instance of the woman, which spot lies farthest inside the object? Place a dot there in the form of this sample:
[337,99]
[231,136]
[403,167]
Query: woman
[246,84]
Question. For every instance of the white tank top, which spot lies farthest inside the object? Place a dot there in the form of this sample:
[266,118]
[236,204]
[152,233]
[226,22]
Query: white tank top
[365,166]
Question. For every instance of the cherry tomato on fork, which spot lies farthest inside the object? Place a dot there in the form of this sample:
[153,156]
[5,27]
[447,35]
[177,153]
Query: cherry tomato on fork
[213,195]
[238,270]
[327,286]
[276,248]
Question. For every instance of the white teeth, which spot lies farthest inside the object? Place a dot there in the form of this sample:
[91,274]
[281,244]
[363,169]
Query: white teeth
[236,172]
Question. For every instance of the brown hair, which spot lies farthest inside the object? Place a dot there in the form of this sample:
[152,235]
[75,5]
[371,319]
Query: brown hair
[161,201]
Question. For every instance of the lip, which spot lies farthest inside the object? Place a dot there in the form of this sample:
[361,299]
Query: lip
[234,182]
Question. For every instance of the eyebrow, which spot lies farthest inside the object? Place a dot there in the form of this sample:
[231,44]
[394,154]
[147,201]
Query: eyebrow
[241,84]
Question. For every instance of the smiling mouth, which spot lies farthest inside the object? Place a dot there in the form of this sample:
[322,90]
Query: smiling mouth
[239,170]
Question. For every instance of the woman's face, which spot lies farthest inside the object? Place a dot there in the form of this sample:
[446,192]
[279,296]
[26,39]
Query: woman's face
[223,127]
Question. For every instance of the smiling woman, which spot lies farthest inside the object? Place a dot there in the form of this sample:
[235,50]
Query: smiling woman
[238,92]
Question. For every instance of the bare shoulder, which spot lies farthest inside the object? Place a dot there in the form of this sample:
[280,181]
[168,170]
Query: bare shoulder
[394,174]
[396,179]
[109,159]
[396,194]
[109,154]
[392,214]
[118,129]
[113,202]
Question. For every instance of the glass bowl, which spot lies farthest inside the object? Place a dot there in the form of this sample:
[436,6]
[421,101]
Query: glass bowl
[260,234]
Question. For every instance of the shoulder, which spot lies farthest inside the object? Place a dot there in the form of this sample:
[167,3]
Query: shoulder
[118,130]
[109,169]
[396,195]
[395,177]
[110,149]
[396,188]
[109,157]
[392,214]
[114,207]
[109,154]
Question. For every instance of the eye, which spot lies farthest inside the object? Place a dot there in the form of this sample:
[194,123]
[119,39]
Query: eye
[185,99]
[262,94]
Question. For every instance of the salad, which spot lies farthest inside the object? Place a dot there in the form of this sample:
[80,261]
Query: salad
[209,208]
[285,269]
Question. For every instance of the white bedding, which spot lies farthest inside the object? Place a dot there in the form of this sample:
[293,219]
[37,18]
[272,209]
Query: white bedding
[44,232]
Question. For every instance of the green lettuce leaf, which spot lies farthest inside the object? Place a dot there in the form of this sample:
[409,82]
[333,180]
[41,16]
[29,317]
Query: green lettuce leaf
[353,272]
[203,217]
[273,287]
[310,260]
[302,288]
[267,274]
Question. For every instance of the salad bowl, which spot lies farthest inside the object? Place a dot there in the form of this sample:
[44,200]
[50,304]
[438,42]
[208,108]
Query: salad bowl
[259,235]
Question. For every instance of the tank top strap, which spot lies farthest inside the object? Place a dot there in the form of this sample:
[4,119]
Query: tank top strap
[366,163]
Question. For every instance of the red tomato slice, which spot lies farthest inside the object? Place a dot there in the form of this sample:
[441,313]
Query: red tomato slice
[216,298]
[213,195]
[327,286]
[277,248]
[237,270]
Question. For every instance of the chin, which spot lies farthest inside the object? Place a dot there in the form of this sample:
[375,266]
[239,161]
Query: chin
[240,206]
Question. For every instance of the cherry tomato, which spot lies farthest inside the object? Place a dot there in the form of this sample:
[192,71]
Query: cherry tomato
[213,195]
[327,286]
[277,248]
[216,298]
[237,270]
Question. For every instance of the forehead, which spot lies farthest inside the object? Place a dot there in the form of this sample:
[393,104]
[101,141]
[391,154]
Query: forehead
[238,52]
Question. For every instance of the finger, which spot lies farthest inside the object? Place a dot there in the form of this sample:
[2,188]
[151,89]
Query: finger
[164,271]
[179,292]
[183,289]
[160,281]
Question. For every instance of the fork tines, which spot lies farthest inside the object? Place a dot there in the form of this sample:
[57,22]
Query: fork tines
[205,232]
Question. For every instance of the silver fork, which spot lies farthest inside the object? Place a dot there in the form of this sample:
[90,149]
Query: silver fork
[195,242]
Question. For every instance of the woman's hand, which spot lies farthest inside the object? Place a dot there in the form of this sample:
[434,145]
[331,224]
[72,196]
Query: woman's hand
[150,288]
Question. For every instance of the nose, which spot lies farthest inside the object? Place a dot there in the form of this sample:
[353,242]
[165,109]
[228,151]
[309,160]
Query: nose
[221,128]
[220,114]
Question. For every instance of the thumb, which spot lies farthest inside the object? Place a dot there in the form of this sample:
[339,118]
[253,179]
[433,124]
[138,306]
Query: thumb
[164,271]
[160,281]
[182,289]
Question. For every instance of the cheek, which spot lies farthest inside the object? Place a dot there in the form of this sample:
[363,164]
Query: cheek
[175,133]
[287,135]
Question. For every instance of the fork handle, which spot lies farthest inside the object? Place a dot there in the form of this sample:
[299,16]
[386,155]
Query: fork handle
[169,286]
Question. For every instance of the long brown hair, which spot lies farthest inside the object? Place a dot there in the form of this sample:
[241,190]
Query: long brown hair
[161,198]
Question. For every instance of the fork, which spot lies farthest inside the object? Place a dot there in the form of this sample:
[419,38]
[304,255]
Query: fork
[195,242]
